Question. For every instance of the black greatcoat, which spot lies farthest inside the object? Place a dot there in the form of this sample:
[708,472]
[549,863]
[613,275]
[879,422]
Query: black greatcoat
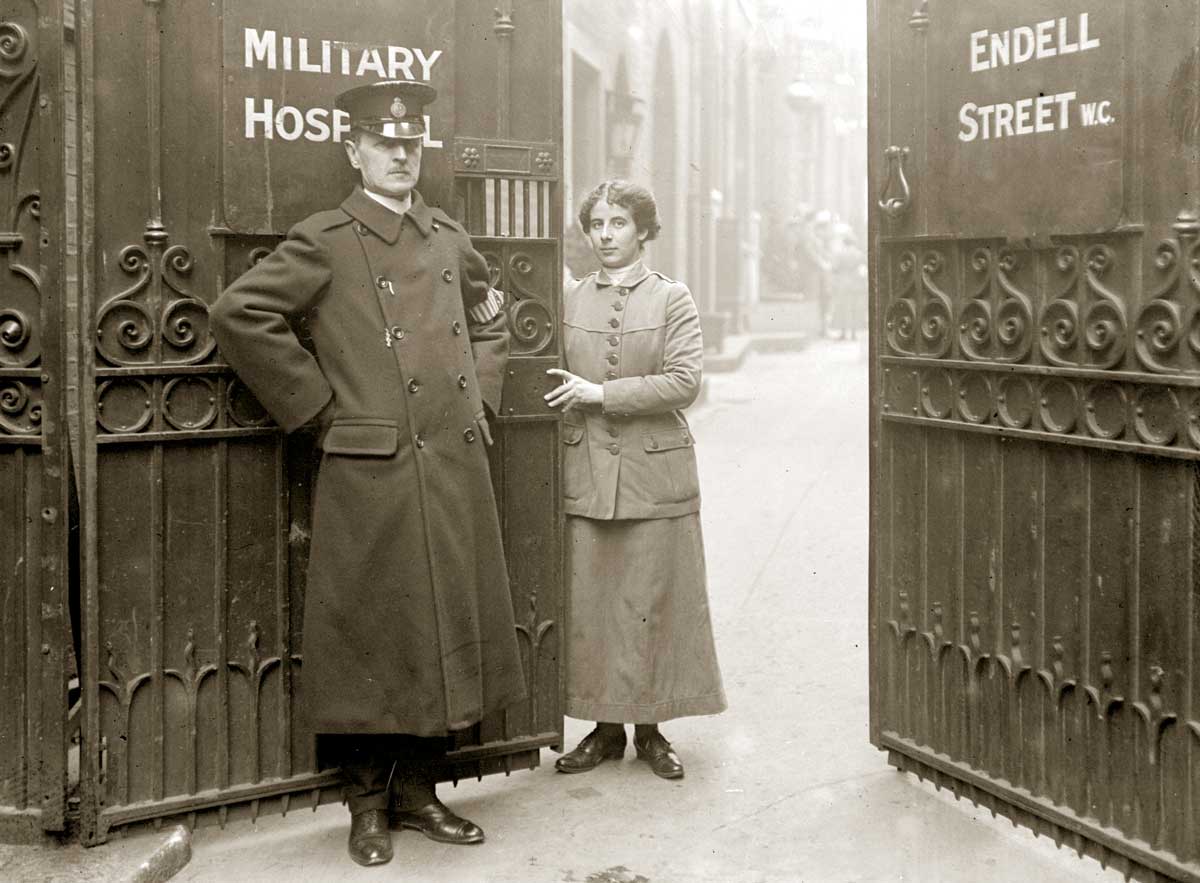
[408,622]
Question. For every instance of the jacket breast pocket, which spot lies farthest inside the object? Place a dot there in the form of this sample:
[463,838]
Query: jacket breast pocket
[577,475]
[673,449]
[362,437]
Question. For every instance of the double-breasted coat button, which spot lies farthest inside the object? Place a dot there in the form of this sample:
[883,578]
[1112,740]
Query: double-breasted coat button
[612,358]
[614,322]
[381,282]
[462,381]
[610,375]
[622,291]
[448,275]
[653,445]
[613,340]
[613,431]
[469,436]
[361,228]
[420,442]
[618,306]
[397,332]
[436,226]
[456,327]
[413,385]
[614,449]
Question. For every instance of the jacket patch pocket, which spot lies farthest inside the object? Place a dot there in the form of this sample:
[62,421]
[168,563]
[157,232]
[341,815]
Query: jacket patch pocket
[672,458]
[572,433]
[362,438]
[667,440]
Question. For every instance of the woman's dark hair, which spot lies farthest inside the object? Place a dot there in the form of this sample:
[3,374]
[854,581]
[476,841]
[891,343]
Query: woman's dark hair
[634,198]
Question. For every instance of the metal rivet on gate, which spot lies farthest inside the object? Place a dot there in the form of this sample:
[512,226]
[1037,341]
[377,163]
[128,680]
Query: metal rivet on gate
[448,275]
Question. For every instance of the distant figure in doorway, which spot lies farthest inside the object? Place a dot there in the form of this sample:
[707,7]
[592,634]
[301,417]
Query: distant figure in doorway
[640,648]
[849,282]
[815,241]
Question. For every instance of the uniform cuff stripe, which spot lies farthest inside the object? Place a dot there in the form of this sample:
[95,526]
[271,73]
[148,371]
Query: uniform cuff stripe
[489,309]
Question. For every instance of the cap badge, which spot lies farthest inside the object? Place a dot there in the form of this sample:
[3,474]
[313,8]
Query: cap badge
[398,108]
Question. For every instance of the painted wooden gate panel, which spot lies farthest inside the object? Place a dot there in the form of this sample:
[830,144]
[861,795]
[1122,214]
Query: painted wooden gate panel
[33,441]
[207,130]
[1036,415]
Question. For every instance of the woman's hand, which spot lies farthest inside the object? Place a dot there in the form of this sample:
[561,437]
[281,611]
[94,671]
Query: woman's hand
[575,392]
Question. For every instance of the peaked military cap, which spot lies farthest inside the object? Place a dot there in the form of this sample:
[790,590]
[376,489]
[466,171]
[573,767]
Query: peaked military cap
[391,108]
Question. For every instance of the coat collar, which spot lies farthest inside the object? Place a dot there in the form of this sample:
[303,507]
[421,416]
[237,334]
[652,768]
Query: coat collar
[637,275]
[384,222]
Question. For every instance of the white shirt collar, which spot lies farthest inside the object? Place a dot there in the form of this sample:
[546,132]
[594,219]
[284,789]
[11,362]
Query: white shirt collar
[391,203]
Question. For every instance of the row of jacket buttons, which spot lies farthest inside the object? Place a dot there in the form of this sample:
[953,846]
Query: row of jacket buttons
[468,437]
[414,385]
[398,333]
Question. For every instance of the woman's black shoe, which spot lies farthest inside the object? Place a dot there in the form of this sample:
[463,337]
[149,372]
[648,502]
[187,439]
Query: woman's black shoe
[657,751]
[606,742]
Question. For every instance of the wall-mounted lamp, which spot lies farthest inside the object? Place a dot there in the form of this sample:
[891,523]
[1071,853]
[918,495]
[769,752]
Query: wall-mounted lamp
[623,120]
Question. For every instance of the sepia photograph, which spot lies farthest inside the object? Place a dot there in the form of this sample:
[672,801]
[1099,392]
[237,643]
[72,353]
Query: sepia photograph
[553,441]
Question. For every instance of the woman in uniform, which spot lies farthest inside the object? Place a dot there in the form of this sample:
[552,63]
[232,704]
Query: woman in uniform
[640,646]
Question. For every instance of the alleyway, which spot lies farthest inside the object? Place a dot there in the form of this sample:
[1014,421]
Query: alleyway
[784,786]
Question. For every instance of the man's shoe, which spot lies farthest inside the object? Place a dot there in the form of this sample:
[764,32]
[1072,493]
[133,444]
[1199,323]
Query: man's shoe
[370,841]
[657,752]
[437,822]
[599,745]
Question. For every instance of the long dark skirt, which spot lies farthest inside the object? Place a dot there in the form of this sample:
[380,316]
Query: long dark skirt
[641,644]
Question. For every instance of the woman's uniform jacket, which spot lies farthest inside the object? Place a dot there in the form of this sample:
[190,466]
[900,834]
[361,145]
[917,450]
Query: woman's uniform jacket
[408,623]
[641,340]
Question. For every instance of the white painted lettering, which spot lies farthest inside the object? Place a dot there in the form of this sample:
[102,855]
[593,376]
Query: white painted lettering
[427,62]
[1045,37]
[1023,45]
[1024,107]
[1004,120]
[292,131]
[341,125]
[970,128]
[254,117]
[1084,42]
[318,129]
[1000,49]
[371,61]
[345,61]
[326,53]
[306,65]
[260,47]
[977,49]
[429,141]
[287,53]
[985,115]
[399,59]
[1065,46]
[1042,121]
[1064,100]
[1104,113]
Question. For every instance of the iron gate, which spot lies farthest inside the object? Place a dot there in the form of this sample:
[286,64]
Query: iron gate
[34,464]
[206,131]
[1036,415]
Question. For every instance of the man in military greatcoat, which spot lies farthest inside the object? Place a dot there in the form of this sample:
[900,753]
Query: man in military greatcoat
[408,623]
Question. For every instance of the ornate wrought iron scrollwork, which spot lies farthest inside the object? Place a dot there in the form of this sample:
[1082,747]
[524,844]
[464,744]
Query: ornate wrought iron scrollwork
[996,322]
[1085,324]
[126,328]
[936,311]
[20,408]
[530,319]
[1171,314]
[900,321]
